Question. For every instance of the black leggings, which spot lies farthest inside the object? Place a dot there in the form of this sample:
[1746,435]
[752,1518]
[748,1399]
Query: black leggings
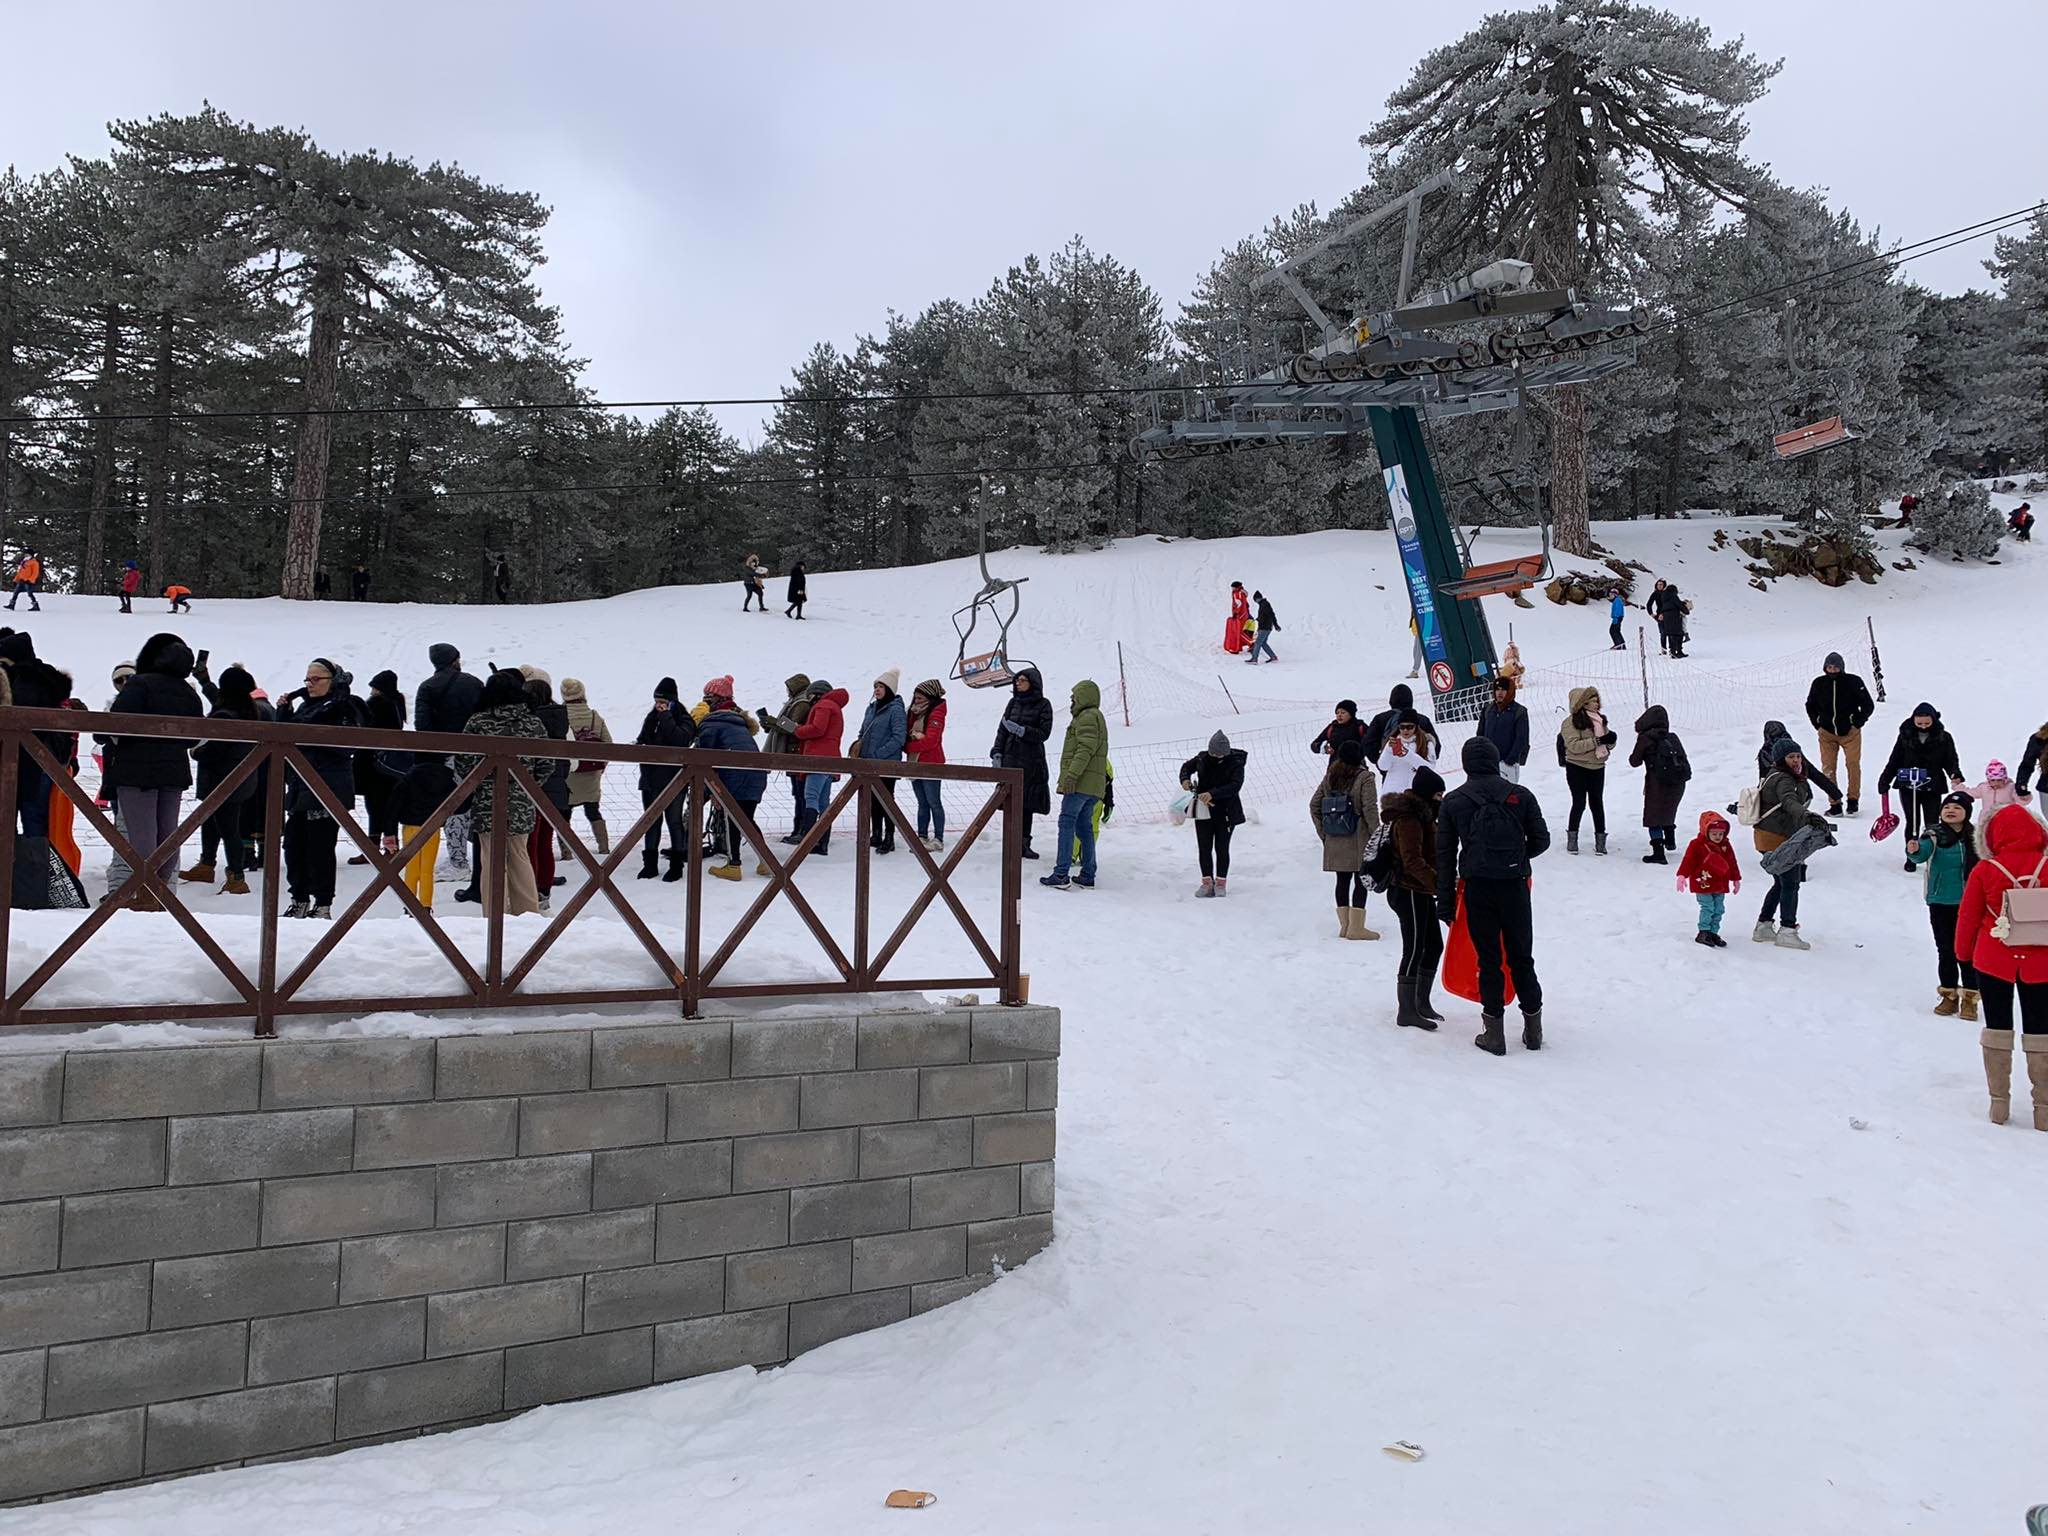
[309,858]
[1589,787]
[1212,846]
[1953,972]
[1422,941]
[223,830]
[735,838]
[1351,889]
[881,825]
[1997,996]
[1921,808]
[675,814]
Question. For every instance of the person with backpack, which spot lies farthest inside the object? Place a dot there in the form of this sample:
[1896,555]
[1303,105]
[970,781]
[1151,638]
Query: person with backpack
[667,724]
[1924,766]
[1784,808]
[925,742]
[131,583]
[1020,741]
[1661,756]
[1411,746]
[26,576]
[1617,608]
[1945,856]
[1710,872]
[819,736]
[1584,742]
[1400,705]
[1084,778]
[1401,860]
[1344,726]
[1265,626]
[1505,723]
[1345,812]
[586,776]
[1837,706]
[2002,931]
[727,728]
[1488,833]
[1215,777]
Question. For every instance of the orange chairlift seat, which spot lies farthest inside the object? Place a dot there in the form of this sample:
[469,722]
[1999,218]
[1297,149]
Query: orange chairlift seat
[994,668]
[1801,441]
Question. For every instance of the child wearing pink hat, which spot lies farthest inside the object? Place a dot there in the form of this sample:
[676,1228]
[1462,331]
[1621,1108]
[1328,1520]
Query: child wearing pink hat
[1996,792]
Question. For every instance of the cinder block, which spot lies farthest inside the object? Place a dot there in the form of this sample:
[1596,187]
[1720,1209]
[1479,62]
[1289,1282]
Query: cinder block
[285,1144]
[698,1111]
[658,1293]
[463,1322]
[310,1074]
[1034,1192]
[629,1056]
[158,1223]
[707,1344]
[583,1122]
[859,1098]
[261,1283]
[517,1190]
[64,1455]
[458,1131]
[909,1258]
[971,1194]
[695,1229]
[788,1274]
[21,1385]
[506,1066]
[146,1368]
[912,1040]
[419,1263]
[78,1159]
[848,1210]
[1043,1090]
[682,1170]
[59,1306]
[338,1340]
[575,1245]
[347,1205]
[1016,1034]
[409,1396]
[573,1368]
[919,1147]
[206,1431]
[31,1090]
[812,1323]
[1008,1243]
[1025,1138]
[28,1236]
[938,1293]
[988,1088]
[796,1157]
[784,1047]
[152,1081]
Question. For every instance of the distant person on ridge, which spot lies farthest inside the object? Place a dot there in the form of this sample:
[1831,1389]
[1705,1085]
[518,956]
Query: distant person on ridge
[131,583]
[359,583]
[180,598]
[323,584]
[1240,615]
[753,575]
[26,576]
[1617,606]
[797,592]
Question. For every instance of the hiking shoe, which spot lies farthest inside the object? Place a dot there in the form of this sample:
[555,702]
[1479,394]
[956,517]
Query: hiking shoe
[322,913]
[1057,882]
[297,909]
[197,873]
[1207,888]
[1704,937]
[726,871]
[236,886]
[1083,883]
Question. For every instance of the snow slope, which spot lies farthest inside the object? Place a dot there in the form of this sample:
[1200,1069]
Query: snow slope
[1737,1251]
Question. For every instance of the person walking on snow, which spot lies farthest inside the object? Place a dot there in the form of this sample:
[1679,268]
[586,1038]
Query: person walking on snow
[1410,746]
[1344,726]
[1487,834]
[1924,765]
[727,729]
[586,777]
[1617,606]
[667,724]
[1216,779]
[797,592]
[131,583]
[1240,615]
[1084,777]
[1266,625]
[1408,821]
[1583,744]
[925,743]
[2015,850]
[1710,872]
[1837,707]
[753,578]
[1661,756]
[883,730]
[1020,741]
[26,576]
[1946,855]
[1506,724]
[1345,812]
[1784,809]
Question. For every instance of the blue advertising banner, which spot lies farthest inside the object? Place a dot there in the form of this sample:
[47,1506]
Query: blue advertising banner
[1420,595]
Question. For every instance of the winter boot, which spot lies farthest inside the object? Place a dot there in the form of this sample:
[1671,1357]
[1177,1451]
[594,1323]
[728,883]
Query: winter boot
[1532,1031]
[1223,889]
[297,909]
[1407,1015]
[726,871]
[236,886]
[1493,1040]
[650,866]
[2036,1050]
[1344,924]
[1423,1005]
[1656,853]
[322,913]
[1358,928]
[1849,806]
[603,834]
[1998,1072]
[1764,932]
[1600,842]
[1571,840]
[1967,999]
[1950,1004]
[677,867]
[198,873]
[1703,937]
[1207,889]
[1788,938]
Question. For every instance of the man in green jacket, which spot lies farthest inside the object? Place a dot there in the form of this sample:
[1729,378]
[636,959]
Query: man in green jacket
[1084,774]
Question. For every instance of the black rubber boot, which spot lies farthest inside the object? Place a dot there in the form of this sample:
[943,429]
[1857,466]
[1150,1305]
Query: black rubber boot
[1656,853]
[1423,1005]
[1493,1039]
[677,867]
[1532,1031]
[1409,1016]
[650,866]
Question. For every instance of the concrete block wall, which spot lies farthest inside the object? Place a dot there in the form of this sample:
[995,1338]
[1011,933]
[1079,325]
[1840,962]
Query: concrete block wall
[218,1254]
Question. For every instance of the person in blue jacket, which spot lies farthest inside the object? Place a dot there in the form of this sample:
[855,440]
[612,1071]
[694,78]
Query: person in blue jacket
[883,731]
[725,729]
[1617,605]
[1506,724]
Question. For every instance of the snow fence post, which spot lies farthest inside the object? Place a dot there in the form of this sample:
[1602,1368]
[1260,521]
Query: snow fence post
[1876,666]
[1643,661]
[10,787]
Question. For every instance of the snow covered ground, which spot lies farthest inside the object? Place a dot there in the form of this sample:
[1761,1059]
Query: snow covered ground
[1737,1251]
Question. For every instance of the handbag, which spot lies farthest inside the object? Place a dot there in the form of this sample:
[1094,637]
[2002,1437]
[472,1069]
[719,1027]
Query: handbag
[2022,919]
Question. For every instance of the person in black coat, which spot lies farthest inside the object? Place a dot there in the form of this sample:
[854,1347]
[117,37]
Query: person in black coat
[667,724]
[1216,776]
[1487,833]
[377,773]
[1661,756]
[1506,724]
[1837,707]
[359,584]
[1020,743]
[796,591]
[29,682]
[1344,726]
[151,773]
[233,699]
[446,699]
[310,830]
[1925,766]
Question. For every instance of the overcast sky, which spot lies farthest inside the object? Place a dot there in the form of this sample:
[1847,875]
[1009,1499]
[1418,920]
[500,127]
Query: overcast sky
[731,183]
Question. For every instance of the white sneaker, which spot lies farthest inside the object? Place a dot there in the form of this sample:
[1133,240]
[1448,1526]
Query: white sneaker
[1764,933]
[1788,938]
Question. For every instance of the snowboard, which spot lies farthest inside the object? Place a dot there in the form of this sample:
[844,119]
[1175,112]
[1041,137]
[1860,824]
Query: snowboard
[1461,960]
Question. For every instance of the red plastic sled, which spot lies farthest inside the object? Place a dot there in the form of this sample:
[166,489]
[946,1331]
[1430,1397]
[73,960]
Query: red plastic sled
[1461,960]
[1233,635]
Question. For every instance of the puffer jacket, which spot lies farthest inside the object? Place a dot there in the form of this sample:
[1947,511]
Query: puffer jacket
[1020,741]
[1411,822]
[1585,738]
[2015,840]
[159,687]
[883,730]
[793,710]
[336,766]
[1221,779]
[506,720]
[725,730]
[1344,852]
[1084,756]
[1933,754]
[926,742]
[819,735]
[671,727]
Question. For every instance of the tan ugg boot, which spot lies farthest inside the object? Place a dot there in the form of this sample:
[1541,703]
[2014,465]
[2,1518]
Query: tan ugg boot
[2037,1076]
[1969,1004]
[1998,1072]
[1950,1003]
[1358,928]
[1344,924]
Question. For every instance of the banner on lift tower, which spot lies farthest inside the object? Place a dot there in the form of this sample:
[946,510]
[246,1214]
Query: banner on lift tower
[1420,596]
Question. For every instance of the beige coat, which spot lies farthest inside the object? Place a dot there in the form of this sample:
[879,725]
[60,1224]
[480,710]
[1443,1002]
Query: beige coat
[1343,855]
[584,788]
[1585,748]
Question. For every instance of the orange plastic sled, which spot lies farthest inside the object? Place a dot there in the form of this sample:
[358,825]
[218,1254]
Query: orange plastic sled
[1461,960]
[910,1498]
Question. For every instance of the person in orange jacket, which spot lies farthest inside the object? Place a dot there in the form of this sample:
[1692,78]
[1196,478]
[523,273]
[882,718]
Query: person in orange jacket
[26,576]
[181,598]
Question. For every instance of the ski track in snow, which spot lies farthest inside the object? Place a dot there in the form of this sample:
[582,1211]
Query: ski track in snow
[1653,1278]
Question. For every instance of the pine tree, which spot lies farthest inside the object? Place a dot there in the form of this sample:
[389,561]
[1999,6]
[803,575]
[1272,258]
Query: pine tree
[1958,520]
[2020,386]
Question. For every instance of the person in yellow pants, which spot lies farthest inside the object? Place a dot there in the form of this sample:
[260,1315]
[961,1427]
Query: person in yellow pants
[419,869]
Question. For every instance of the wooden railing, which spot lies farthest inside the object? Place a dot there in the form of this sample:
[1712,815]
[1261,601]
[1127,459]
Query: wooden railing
[687,979]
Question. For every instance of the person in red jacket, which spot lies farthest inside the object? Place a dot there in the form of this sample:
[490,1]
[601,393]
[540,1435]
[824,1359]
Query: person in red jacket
[131,583]
[925,742]
[819,736]
[1710,872]
[2014,846]
[1240,610]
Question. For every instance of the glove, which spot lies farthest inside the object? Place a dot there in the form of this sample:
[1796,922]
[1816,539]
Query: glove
[1447,909]
[1013,728]
[995,759]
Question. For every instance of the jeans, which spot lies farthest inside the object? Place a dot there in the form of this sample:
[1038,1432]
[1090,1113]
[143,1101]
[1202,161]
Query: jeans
[1212,846]
[149,816]
[674,815]
[1997,996]
[309,857]
[1712,908]
[1422,938]
[1262,641]
[1952,969]
[1668,836]
[1498,917]
[931,807]
[1782,899]
[28,587]
[1589,788]
[1077,820]
[818,795]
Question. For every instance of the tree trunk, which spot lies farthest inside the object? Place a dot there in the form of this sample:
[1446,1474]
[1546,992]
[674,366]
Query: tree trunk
[93,567]
[10,400]
[1570,530]
[159,472]
[316,447]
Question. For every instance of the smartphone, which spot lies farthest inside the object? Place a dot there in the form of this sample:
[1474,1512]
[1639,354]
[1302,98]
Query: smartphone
[203,654]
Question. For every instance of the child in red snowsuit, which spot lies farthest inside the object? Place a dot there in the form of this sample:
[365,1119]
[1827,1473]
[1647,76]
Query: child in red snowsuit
[1710,872]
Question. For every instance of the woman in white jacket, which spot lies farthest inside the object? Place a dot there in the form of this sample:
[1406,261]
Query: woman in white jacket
[1411,745]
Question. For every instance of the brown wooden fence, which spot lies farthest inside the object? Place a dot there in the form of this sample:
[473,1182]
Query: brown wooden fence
[687,979]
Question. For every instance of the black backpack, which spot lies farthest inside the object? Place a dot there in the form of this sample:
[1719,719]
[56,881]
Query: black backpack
[1339,814]
[1668,761]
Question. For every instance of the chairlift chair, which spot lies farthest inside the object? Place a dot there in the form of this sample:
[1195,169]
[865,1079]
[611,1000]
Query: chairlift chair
[994,668]
[1513,577]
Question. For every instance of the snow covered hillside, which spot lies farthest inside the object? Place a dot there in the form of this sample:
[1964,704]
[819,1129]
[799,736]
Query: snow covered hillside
[1737,1252]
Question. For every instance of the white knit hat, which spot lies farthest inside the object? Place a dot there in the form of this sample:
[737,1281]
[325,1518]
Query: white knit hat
[891,678]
